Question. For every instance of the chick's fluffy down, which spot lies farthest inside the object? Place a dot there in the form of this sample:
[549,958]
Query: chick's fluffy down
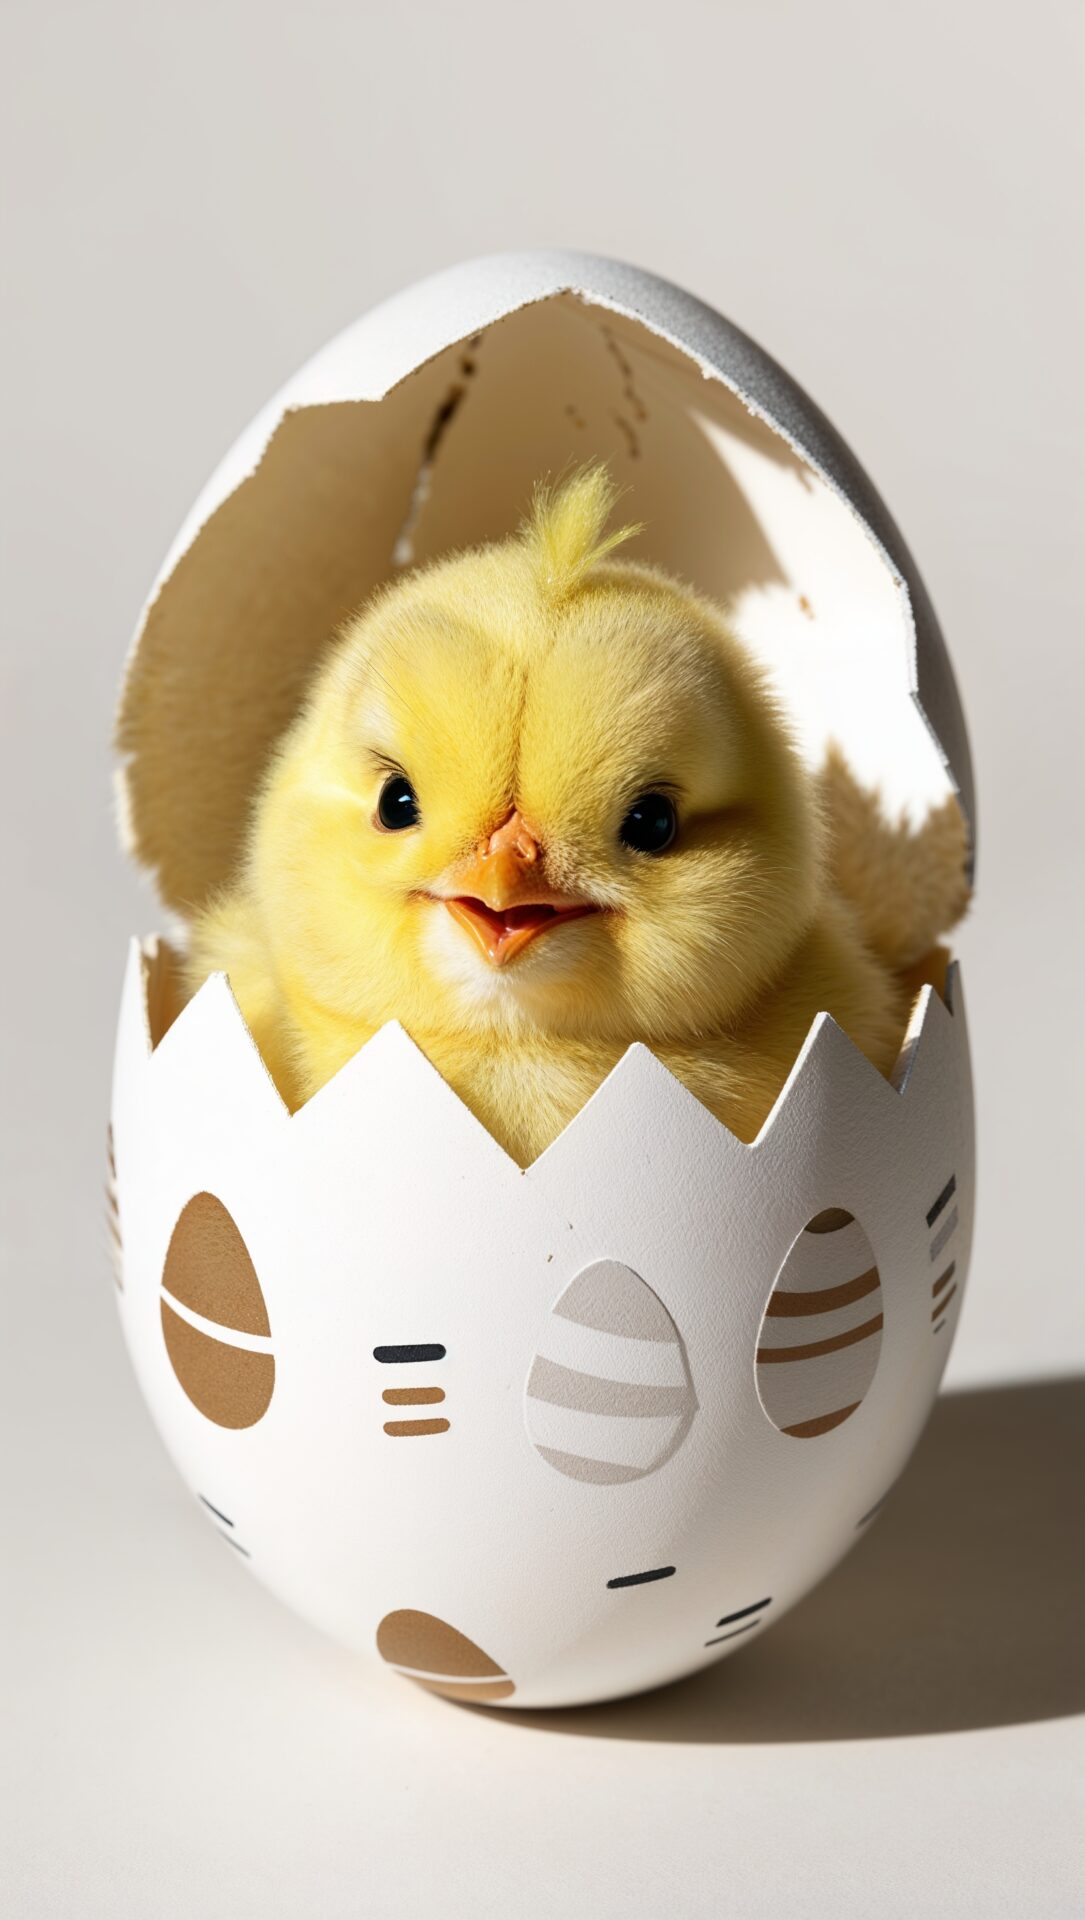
[524,697]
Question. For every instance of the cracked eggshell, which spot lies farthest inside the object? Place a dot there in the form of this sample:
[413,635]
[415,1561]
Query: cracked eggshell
[542,1437]
[424,427]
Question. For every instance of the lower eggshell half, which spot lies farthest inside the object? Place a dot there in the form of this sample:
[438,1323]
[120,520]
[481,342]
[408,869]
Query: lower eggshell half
[607,1497]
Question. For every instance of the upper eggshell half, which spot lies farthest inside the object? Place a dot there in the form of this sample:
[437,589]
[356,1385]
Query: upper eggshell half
[422,428]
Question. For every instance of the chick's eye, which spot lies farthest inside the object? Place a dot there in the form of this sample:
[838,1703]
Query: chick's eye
[398,804]
[651,824]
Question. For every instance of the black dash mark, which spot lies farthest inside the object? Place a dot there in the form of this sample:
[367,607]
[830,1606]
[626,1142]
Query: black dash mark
[743,1611]
[217,1511]
[407,1356]
[871,1511]
[640,1579]
[734,1633]
[236,1545]
[943,1199]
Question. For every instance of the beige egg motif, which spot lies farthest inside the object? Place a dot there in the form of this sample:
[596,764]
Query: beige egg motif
[609,1395]
[821,1335]
[214,1320]
[437,1656]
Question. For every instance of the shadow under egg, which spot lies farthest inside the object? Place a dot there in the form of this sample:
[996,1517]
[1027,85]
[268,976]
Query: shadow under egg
[960,1607]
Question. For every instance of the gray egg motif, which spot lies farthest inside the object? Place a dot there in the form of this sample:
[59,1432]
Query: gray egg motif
[821,1335]
[609,1395]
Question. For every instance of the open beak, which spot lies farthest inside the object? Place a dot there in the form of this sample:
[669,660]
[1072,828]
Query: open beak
[504,904]
[500,933]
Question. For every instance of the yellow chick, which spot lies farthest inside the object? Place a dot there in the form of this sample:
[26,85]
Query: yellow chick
[540,804]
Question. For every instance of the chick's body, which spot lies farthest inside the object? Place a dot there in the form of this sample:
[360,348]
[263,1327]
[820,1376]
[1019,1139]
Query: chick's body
[540,805]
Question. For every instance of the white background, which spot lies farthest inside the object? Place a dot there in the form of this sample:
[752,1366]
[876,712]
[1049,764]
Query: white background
[888,199]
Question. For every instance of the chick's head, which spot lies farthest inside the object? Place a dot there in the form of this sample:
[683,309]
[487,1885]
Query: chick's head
[541,786]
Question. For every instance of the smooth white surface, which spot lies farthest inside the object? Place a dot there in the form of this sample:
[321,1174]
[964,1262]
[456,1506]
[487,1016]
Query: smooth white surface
[887,199]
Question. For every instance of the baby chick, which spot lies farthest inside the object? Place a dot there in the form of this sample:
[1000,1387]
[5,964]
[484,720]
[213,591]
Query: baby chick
[540,804]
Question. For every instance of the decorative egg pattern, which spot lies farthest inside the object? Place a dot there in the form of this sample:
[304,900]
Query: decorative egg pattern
[821,1334]
[609,1395]
[943,1220]
[438,1657]
[214,1321]
[113,1215]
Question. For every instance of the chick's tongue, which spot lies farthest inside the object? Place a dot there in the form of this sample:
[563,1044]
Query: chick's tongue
[525,916]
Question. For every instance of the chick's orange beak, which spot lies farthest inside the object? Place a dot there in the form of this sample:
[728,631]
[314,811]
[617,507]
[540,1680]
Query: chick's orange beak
[505,903]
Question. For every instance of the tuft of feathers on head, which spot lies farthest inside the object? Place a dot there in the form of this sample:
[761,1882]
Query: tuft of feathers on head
[566,535]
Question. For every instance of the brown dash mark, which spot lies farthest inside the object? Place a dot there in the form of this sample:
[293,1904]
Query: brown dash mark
[412,1429]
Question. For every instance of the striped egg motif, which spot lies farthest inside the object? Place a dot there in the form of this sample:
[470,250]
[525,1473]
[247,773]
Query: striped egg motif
[214,1320]
[821,1335]
[609,1396]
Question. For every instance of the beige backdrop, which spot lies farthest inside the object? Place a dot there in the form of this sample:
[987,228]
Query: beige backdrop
[887,197]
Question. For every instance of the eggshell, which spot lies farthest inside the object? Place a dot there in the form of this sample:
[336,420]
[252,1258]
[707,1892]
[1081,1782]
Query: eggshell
[515,1432]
